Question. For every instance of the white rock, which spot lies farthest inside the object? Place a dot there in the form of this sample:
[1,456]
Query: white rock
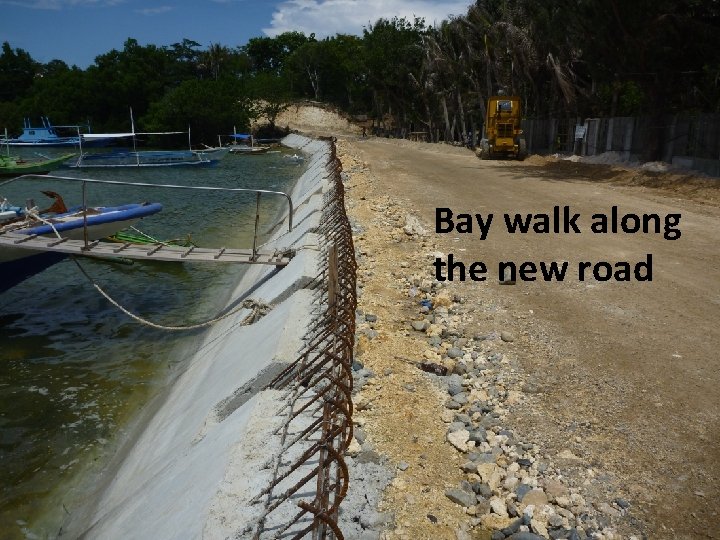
[491,474]
[510,483]
[353,448]
[459,439]
[567,455]
[539,528]
[498,506]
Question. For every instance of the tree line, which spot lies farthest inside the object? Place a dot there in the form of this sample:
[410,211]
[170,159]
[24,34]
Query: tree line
[564,58]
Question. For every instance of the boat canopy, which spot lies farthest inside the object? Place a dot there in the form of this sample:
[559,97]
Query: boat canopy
[91,136]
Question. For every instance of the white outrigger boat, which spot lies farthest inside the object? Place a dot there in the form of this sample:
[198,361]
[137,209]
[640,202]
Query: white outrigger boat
[78,223]
[47,136]
[142,158]
[248,147]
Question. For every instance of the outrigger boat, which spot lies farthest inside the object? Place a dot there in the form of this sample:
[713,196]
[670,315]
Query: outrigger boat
[213,152]
[47,136]
[78,223]
[248,148]
[142,158]
[15,166]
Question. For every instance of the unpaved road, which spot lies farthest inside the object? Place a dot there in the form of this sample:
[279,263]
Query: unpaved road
[628,372]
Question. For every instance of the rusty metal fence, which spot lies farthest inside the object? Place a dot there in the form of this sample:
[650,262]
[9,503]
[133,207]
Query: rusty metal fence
[310,477]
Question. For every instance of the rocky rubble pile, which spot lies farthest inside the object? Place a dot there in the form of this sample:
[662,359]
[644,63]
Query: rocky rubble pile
[510,486]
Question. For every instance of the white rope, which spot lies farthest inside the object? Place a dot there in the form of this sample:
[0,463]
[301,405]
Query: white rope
[258,310]
[32,212]
[155,240]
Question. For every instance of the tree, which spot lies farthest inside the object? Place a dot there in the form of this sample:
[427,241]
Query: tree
[270,95]
[134,77]
[185,60]
[346,73]
[210,107]
[62,94]
[215,57]
[17,72]
[649,54]
[270,54]
[394,56]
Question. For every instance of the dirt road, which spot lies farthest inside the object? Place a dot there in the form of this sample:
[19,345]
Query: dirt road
[626,373]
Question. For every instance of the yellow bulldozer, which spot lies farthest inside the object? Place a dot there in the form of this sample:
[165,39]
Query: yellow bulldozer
[503,134]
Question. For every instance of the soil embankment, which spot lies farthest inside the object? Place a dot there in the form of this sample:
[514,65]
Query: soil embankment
[591,402]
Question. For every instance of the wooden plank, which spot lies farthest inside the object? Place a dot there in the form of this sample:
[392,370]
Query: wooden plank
[24,238]
[124,246]
[87,248]
[57,242]
[140,251]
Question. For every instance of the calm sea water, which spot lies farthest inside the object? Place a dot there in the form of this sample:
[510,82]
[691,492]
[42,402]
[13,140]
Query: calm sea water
[74,370]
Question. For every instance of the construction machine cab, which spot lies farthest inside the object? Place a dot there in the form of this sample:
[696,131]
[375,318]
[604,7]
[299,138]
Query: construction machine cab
[503,134]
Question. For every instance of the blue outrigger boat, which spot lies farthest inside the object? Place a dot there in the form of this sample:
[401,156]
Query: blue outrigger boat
[47,136]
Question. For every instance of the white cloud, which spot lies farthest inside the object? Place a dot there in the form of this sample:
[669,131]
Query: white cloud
[330,17]
[60,4]
[154,11]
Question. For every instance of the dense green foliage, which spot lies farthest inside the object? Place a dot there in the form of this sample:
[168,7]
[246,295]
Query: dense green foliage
[572,58]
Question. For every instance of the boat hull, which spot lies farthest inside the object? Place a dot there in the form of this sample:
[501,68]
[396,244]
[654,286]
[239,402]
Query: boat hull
[149,158]
[249,150]
[12,168]
[18,264]
[65,142]
[15,271]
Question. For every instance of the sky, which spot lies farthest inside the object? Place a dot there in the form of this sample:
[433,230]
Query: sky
[76,31]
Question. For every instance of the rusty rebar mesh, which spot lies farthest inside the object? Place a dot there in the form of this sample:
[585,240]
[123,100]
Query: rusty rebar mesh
[309,473]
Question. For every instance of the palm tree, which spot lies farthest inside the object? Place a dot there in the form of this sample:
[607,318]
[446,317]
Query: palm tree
[215,57]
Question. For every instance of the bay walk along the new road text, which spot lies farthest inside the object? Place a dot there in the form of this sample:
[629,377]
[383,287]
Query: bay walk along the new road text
[560,221]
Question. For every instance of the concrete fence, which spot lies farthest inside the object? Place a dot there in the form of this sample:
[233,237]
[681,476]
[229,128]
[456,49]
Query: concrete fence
[685,140]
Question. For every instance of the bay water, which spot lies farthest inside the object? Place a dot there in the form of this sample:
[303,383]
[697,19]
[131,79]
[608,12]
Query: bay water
[75,372]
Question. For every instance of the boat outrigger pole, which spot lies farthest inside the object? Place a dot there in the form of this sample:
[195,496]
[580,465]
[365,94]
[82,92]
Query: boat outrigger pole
[132,128]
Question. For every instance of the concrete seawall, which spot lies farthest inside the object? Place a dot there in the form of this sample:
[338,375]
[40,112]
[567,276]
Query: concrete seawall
[204,453]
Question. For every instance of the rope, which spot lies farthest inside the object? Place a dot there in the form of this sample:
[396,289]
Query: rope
[258,310]
[32,212]
[156,241]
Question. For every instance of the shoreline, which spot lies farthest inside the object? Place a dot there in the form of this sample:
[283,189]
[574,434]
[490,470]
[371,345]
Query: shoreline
[162,419]
[426,461]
